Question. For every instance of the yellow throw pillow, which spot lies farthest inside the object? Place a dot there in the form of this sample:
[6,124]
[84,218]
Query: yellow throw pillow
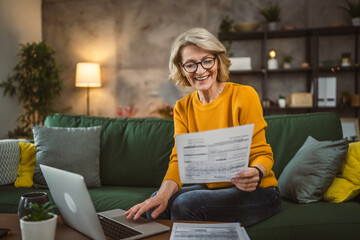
[346,184]
[27,165]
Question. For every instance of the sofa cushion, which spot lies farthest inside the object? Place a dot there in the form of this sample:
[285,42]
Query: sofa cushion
[321,220]
[312,170]
[9,161]
[134,152]
[73,149]
[287,133]
[10,197]
[346,185]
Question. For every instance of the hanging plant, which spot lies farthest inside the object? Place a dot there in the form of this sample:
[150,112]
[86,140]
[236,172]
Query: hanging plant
[36,82]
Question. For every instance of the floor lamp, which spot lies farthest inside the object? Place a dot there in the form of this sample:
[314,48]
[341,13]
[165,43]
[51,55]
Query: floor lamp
[88,75]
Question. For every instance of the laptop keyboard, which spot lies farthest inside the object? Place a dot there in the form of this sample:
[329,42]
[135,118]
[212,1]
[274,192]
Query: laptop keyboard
[115,230]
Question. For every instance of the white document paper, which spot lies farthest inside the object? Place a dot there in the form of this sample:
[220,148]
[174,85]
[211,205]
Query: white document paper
[215,155]
[211,231]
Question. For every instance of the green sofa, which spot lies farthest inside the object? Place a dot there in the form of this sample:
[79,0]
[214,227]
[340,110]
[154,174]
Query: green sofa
[134,155]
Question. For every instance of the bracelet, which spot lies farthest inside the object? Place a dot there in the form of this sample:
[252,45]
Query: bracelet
[261,175]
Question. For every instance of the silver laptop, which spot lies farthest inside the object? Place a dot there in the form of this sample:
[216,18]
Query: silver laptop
[77,210]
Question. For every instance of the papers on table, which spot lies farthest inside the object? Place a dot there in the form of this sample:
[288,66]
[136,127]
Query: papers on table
[212,231]
[215,155]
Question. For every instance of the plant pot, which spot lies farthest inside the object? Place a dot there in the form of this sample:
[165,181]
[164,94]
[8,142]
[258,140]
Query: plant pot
[282,102]
[287,65]
[44,230]
[272,26]
[345,101]
[356,21]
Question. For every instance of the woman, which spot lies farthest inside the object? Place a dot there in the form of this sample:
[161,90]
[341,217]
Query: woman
[199,60]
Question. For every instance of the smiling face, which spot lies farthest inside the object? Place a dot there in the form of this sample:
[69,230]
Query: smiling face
[202,79]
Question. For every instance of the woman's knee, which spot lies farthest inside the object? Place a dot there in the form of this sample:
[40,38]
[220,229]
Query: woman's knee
[185,207]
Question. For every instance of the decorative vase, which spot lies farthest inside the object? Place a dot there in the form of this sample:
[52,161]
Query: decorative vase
[356,21]
[272,26]
[44,230]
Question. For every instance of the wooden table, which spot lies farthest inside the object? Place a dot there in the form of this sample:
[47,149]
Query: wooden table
[63,231]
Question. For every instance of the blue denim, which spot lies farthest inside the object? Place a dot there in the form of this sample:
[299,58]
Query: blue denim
[198,203]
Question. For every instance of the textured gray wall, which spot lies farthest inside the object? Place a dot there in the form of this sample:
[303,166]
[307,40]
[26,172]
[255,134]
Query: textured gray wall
[20,22]
[132,39]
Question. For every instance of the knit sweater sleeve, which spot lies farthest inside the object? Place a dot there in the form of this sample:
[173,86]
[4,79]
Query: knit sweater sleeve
[260,152]
[179,127]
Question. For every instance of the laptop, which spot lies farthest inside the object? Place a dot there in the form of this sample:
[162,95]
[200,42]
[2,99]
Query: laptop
[71,196]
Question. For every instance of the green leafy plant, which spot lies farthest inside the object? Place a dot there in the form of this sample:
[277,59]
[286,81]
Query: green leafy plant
[225,27]
[287,59]
[272,13]
[37,83]
[39,212]
[353,8]
[345,93]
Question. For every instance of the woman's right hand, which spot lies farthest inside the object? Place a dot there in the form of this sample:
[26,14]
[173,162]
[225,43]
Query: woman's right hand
[158,202]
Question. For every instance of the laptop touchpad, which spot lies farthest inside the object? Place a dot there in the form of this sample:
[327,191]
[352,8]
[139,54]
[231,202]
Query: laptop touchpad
[132,223]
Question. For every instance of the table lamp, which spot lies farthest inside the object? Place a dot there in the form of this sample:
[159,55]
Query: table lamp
[272,62]
[88,75]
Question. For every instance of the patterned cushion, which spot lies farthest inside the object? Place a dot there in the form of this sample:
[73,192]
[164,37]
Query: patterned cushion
[9,161]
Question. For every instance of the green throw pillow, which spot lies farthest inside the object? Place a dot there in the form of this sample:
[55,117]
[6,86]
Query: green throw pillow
[312,170]
[73,149]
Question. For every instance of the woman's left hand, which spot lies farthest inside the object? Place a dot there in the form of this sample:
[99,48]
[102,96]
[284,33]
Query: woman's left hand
[247,180]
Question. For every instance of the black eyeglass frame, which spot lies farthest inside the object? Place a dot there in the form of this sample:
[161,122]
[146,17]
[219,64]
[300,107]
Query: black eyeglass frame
[197,64]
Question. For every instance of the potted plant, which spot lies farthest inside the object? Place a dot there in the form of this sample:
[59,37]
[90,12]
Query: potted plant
[37,83]
[345,98]
[39,223]
[272,15]
[225,27]
[353,8]
[282,101]
[287,62]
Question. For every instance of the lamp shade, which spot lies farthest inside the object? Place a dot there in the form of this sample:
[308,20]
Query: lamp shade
[88,75]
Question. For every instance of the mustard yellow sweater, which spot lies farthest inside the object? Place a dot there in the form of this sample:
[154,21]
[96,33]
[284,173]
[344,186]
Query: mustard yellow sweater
[236,105]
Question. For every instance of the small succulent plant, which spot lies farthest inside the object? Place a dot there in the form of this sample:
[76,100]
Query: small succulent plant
[39,212]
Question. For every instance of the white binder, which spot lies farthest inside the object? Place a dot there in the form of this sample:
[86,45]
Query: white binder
[326,92]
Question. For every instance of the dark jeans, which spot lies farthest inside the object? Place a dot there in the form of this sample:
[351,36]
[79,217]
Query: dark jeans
[198,203]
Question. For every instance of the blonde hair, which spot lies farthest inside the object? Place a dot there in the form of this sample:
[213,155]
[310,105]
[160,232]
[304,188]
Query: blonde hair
[205,40]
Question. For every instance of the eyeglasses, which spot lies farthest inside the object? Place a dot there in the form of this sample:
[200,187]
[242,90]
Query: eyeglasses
[206,63]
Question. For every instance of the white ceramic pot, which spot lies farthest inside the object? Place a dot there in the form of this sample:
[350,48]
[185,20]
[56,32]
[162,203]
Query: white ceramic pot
[44,230]
[282,102]
[272,26]
[287,65]
[356,21]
